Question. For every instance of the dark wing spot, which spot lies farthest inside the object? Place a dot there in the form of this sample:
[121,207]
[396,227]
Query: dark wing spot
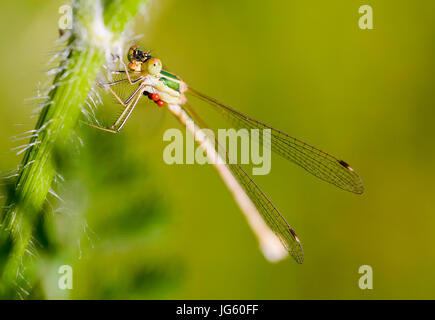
[344,164]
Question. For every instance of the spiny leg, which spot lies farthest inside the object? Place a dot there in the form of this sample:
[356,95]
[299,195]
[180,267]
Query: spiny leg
[104,84]
[100,127]
[126,70]
[109,84]
[126,102]
[115,128]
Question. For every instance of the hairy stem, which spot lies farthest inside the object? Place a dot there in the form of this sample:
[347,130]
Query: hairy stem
[97,26]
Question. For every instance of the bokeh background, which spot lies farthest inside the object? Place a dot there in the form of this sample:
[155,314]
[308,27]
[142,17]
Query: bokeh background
[133,227]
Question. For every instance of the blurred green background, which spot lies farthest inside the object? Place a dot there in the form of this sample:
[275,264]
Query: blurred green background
[304,67]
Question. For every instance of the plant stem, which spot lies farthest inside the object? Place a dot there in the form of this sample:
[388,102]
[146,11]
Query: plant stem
[97,25]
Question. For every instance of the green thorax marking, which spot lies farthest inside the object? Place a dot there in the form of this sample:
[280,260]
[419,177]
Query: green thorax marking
[171,80]
[169,75]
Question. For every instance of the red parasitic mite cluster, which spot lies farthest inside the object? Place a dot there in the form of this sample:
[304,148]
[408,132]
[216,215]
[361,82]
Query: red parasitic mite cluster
[155,97]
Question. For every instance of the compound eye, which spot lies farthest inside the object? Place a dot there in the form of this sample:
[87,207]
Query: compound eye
[154,66]
[131,52]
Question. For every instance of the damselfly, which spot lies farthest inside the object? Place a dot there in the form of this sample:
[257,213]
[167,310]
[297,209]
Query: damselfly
[145,75]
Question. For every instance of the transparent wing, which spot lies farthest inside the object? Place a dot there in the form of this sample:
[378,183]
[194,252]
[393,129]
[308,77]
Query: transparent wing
[270,213]
[315,161]
[265,207]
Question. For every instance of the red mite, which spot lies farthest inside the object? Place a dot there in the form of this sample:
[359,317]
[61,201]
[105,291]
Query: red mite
[156,98]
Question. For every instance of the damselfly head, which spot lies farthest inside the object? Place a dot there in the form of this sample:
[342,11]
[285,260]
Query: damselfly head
[137,55]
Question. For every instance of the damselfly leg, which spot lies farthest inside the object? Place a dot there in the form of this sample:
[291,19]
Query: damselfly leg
[129,105]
